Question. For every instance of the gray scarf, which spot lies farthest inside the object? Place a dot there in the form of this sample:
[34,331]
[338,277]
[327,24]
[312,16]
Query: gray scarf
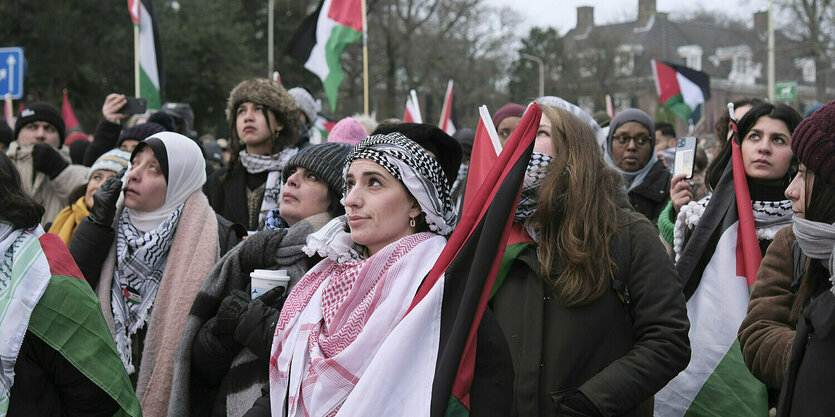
[255,164]
[817,240]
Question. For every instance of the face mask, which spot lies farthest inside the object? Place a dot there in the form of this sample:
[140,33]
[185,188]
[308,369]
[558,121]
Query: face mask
[534,175]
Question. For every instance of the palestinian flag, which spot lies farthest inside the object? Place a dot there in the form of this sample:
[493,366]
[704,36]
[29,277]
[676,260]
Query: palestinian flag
[681,90]
[469,264]
[321,38]
[445,123]
[68,318]
[70,121]
[717,382]
[150,55]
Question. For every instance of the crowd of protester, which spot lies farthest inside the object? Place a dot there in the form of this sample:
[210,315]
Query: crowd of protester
[126,259]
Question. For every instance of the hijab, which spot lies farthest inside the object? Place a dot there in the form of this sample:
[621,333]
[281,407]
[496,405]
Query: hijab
[635,178]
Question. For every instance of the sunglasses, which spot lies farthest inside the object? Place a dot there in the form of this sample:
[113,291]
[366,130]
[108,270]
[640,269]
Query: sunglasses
[625,139]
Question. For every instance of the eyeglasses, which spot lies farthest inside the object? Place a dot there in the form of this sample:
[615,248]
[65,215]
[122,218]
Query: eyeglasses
[639,140]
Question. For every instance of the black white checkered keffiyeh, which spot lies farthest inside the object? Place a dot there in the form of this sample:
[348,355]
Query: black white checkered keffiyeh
[255,164]
[420,173]
[140,261]
[534,175]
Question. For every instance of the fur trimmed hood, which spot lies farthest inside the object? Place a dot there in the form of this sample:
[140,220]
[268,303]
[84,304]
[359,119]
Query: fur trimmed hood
[272,95]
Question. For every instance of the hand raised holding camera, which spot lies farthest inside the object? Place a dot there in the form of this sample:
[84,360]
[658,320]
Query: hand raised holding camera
[112,104]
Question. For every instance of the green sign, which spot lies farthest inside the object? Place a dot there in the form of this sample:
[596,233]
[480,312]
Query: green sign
[785,91]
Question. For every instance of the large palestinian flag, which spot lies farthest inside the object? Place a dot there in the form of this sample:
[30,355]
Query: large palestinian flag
[717,382]
[681,90]
[150,55]
[321,38]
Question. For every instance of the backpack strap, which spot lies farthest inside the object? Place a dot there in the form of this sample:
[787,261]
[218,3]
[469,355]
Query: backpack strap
[623,263]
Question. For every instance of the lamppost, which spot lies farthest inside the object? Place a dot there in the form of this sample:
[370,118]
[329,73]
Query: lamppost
[541,72]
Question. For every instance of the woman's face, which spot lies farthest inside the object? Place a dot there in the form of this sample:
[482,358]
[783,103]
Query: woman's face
[543,142]
[378,206]
[253,129]
[506,128]
[96,180]
[303,195]
[799,190]
[631,146]
[766,150]
[146,186]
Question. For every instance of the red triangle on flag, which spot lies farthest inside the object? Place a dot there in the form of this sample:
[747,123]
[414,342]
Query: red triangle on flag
[70,121]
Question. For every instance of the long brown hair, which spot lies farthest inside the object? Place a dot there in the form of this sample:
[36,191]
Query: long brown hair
[577,212]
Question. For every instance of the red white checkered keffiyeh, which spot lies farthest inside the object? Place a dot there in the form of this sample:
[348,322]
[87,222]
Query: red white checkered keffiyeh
[335,320]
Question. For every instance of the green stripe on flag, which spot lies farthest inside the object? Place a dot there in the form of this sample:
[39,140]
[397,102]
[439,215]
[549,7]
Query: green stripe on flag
[69,319]
[340,37]
[677,106]
[731,390]
[454,408]
[511,252]
[149,91]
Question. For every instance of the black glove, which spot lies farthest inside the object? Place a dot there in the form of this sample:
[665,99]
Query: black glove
[230,312]
[104,202]
[47,160]
[274,297]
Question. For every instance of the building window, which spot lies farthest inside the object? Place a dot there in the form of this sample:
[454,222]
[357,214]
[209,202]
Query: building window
[807,69]
[622,102]
[586,103]
[743,68]
[692,55]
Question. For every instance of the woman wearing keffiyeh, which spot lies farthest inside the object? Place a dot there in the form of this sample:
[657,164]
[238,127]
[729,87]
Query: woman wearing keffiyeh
[264,121]
[332,341]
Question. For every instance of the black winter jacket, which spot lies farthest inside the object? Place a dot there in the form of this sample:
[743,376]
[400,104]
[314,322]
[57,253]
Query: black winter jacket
[652,195]
[56,387]
[608,356]
[228,197]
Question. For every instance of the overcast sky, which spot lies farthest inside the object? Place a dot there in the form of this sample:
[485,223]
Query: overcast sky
[562,14]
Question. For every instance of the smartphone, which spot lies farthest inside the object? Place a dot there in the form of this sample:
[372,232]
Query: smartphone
[135,105]
[685,156]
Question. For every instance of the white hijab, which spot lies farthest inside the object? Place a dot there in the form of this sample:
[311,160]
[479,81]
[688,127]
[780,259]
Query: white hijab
[186,175]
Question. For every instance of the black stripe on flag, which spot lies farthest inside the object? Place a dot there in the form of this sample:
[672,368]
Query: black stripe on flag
[464,282]
[305,37]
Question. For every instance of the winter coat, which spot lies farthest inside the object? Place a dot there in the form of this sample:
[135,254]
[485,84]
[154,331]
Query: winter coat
[612,354]
[766,333]
[807,386]
[105,138]
[51,193]
[210,375]
[652,195]
[228,197]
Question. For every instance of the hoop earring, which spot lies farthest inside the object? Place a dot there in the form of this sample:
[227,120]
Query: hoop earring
[411,221]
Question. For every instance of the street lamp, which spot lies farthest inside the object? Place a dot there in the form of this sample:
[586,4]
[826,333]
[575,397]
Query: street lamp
[541,72]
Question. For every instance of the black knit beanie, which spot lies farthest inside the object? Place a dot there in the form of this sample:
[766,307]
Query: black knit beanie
[41,112]
[140,132]
[325,160]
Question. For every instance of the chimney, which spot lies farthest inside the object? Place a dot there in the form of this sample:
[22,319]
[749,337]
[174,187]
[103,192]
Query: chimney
[646,9]
[585,19]
[761,21]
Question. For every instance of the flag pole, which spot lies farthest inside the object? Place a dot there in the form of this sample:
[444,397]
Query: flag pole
[364,60]
[136,59]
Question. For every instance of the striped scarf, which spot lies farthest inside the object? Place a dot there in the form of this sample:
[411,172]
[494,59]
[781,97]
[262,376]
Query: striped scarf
[256,164]
[140,261]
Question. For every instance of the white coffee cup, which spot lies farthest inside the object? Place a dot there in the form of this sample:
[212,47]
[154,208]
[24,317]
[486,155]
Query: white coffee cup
[264,280]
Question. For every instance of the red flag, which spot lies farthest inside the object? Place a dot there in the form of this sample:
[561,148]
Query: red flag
[7,112]
[277,77]
[446,112]
[70,121]
[133,9]
[412,112]
[748,254]
[485,155]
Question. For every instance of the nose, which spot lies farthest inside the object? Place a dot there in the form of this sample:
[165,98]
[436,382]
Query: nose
[632,145]
[132,175]
[354,198]
[791,191]
[764,146]
[293,180]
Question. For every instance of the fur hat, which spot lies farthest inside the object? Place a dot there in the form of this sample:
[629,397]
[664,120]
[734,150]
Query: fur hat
[272,95]
[813,143]
[446,149]
[41,112]
[347,130]
[325,160]
[306,103]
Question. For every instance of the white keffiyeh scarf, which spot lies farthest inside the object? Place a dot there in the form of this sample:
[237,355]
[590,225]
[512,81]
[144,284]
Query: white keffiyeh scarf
[256,164]
[769,218]
[140,261]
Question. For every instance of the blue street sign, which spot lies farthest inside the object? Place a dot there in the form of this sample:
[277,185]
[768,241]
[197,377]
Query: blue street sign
[11,72]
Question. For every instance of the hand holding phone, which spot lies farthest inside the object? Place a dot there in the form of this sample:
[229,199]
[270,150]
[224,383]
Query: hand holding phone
[134,105]
[685,160]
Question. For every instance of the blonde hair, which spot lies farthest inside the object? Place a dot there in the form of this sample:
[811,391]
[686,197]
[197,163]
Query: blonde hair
[577,212]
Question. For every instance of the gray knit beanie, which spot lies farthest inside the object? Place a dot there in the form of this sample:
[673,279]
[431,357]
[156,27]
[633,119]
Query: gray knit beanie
[325,160]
